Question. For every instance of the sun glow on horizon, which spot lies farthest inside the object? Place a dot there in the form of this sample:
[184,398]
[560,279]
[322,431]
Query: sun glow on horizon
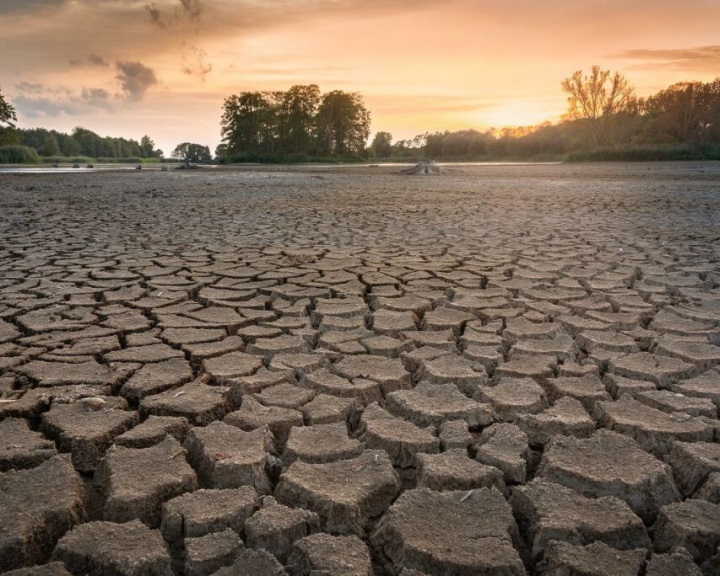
[516,113]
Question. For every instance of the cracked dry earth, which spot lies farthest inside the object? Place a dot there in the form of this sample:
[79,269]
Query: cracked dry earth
[501,370]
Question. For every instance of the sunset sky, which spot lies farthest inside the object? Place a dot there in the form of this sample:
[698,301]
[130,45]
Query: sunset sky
[162,68]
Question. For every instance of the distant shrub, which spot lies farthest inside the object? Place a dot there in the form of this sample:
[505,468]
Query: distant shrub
[296,158]
[251,157]
[354,159]
[546,157]
[711,151]
[18,154]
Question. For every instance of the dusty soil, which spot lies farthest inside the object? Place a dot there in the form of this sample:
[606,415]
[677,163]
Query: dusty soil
[496,370]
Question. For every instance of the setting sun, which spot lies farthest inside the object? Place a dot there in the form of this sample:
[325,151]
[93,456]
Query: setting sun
[516,113]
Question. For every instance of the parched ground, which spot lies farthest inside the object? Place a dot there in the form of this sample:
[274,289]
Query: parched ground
[499,370]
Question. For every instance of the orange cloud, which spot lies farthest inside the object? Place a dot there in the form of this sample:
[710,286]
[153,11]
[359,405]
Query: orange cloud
[700,59]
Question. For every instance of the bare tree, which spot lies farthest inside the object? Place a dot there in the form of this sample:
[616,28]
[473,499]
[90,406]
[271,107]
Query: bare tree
[597,98]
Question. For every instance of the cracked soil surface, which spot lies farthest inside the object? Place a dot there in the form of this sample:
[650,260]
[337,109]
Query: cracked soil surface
[497,370]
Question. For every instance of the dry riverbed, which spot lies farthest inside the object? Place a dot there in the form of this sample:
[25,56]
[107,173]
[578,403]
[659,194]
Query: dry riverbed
[347,370]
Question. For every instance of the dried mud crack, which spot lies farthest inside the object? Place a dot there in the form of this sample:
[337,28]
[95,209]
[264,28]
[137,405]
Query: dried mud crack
[506,370]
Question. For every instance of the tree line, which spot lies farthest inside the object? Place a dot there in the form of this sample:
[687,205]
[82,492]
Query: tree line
[82,142]
[604,120]
[24,145]
[299,123]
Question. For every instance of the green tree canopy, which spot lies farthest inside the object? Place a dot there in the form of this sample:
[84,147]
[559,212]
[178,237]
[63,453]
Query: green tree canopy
[68,145]
[190,152]
[249,122]
[50,146]
[221,151]
[7,112]
[296,111]
[382,145]
[687,111]
[91,144]
[83,142]
[298,121]
[343,123]
[8,134]
[147,148]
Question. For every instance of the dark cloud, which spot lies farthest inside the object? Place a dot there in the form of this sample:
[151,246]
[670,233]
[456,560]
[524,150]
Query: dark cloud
[29,88]
[96,97]
[702,58]
[228,17]
[192,9]
[185,11]
[155,15]
[92,60]
[19,6]
[34,99]
[96,60]
[60,101]
[37,88]
[44,106]
[190,21]
[136,79]
[196,64]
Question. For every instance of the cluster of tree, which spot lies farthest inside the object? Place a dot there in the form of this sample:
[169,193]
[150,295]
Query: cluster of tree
[83,142]
[604,120]
[195,153]
[298,122]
